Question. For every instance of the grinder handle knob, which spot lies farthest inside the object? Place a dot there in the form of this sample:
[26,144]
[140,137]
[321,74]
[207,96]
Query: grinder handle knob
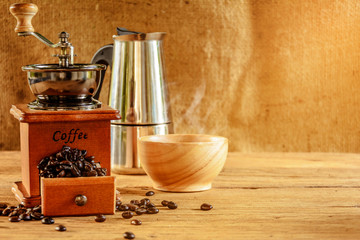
[23,12]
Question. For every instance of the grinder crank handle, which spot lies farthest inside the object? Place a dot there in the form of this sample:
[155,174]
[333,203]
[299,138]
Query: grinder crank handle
[24,12]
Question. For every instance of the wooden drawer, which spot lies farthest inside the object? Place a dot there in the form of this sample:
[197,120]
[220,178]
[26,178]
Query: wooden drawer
[58,196]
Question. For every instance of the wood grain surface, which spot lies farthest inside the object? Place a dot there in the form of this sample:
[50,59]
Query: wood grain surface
[268,75]
[257,196]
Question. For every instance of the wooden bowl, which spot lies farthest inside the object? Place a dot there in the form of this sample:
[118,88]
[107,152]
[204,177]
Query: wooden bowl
[182,162]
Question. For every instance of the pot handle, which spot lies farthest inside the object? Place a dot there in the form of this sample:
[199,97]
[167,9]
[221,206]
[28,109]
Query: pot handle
[103,56]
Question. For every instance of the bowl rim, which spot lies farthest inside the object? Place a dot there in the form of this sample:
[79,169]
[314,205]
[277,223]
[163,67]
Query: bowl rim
[216,139]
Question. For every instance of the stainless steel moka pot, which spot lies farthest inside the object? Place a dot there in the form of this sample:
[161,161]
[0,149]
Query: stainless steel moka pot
[138,89]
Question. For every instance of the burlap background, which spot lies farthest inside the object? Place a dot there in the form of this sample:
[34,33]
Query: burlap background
[269,75]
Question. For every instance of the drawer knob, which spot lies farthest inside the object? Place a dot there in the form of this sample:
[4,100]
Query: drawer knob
[80,200]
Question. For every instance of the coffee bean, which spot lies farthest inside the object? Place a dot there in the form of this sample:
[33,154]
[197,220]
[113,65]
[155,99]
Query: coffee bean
[101,171]
[150,205]
[61,174]
[149,193]
[152,210]
[118,202]
[25,217]
[136,222]
[36,215]
[144,201]
[60,228]
[20,206]
[37,208]
[206,207]
[47,220]
[75,171]
[123,207]
[127,214]
[3,205]
[164,203]
[14,219]
[129,235]
[140,211]
[172,205]
[100,218]
[21,211]
[66,148]
[14,213]
[135,202]
[79,164]
[132,207]
[6,211]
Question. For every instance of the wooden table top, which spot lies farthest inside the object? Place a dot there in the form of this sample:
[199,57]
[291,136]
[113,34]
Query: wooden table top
[257,196]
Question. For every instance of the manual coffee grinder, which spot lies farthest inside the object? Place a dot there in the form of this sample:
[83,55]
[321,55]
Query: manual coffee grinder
[64,113]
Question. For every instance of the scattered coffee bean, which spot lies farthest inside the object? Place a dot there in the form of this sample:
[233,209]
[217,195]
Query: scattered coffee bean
[100,218]
[127,214]
[36,215]
[14,213]
[6,211]
[172,205]
[60,228]
[150,205]
[132,207]
[149,193]
[164,203]
[25,217]
[129,235]
[47,220]
[20,206]
[152,210]
[123,207]
[21,211]
[140,211]
[206,207]
[37,208]
[144,201]
[118,203]
[136,222]
[3,205]
[14,219]
[135,202]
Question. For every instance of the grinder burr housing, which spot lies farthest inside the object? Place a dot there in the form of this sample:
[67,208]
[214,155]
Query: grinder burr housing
[64,109]
[62,86]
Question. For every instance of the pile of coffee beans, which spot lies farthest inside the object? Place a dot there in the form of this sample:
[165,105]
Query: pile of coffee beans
[20,212]
[139,207]
[70,163]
